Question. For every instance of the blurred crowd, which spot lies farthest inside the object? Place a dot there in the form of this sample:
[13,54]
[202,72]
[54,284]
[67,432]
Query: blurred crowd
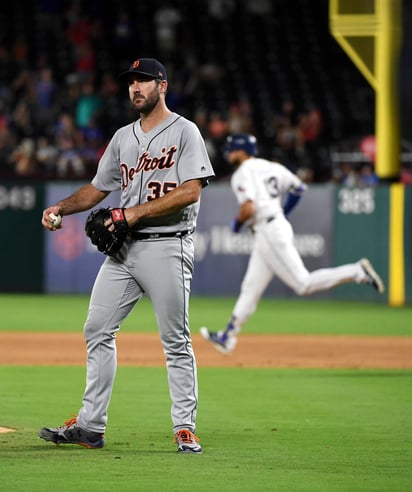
[55,123]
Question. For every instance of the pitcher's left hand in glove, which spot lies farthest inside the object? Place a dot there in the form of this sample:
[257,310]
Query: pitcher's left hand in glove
[108,242]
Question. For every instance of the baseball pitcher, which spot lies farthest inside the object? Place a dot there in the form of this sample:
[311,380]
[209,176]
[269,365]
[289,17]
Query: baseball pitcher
[160,164]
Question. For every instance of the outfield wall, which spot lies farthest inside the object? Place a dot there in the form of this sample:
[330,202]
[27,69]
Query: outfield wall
[21,244]
[333,226]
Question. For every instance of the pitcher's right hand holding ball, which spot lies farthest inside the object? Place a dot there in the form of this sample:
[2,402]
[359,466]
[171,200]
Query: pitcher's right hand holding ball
[52,219]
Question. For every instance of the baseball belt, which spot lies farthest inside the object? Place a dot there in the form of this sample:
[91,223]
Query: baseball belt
[266,220]
[156,235]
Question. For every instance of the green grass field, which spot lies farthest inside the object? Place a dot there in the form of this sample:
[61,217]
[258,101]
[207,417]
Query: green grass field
[296,316]
[261,429]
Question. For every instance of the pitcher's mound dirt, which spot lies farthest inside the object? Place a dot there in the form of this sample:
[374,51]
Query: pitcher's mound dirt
[4,430]
[252,351]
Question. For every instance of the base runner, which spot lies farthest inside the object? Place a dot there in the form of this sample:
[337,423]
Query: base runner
[259,186]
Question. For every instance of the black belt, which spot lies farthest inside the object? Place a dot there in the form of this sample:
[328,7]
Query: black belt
[155,235]
[267,220]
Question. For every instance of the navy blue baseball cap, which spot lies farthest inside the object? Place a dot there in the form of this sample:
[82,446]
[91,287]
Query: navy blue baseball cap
[146,66]
[241,141]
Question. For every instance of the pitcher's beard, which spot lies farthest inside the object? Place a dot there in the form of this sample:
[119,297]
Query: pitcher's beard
[144,105]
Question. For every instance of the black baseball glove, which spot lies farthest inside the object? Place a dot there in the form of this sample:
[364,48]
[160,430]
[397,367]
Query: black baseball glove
[106,241]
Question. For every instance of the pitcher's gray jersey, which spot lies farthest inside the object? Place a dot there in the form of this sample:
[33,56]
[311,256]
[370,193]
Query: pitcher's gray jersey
[145,166]
[265,183]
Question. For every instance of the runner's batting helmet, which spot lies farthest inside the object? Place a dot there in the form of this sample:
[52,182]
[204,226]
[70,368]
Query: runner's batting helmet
[241,141]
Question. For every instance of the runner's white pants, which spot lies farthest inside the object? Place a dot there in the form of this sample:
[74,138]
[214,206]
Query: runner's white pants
[274,254]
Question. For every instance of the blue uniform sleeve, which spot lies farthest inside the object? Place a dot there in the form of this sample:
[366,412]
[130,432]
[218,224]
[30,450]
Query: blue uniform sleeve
[292,198]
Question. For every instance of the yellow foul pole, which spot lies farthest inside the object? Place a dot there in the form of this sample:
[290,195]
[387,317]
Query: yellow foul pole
[387,89]
[369,31]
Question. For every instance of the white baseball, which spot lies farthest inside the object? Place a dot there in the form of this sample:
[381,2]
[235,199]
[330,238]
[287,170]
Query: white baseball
[57,219]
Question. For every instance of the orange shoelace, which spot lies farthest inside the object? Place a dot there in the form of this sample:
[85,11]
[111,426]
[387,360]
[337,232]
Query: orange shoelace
[186,436]
[70,422]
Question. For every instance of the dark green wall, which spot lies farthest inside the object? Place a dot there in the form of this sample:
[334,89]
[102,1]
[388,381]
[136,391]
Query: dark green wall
[21,247]
[361,230]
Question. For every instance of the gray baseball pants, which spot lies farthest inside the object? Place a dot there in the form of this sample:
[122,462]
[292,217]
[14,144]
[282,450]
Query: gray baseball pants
[162,269]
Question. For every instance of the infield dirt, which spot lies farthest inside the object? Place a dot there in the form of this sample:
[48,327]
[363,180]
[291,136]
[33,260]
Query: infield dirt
[297,351]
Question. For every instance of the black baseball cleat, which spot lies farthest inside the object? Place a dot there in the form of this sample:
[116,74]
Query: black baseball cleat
[372,278]
[71,433]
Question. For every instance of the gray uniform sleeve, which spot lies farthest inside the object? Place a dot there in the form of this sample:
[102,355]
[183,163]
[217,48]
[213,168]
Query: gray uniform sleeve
[108,177]
[193,159]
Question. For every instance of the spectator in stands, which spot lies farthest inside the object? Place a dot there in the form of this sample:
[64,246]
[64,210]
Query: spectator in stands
[46,155]
[167,19]
[89,104]
[69,143]
[79,29]
[123,35]
[209,75]
[221,9]
[345,175]
[22,120]
[80,34]
[201,120]
[240,118]
[290,141]
[217,127]
[24,158]
[85,60]
[218,130]
[46,94]
[7,143]
[287,115]
[289,137]
[176,98]
[93,144]
[311,125]
[20,51]
[367,176]
[112,112]
[259,7]
[406,173]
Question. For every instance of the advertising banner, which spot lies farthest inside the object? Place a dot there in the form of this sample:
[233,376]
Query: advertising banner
[71,261]
[222,256]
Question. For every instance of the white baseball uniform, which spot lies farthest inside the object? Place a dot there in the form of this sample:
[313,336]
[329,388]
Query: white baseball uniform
[274,251]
